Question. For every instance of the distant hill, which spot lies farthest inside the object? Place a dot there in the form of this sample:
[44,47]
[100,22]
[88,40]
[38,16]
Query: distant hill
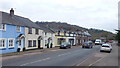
[96,33]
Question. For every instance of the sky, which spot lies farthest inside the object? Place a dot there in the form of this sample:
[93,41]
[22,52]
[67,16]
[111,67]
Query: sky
[98,14]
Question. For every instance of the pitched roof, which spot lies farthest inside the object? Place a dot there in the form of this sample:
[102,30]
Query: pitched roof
[17,20]
[45,29]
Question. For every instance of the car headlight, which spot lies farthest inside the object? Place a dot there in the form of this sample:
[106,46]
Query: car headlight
[64,45]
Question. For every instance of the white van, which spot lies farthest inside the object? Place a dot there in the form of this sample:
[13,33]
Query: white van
[98,42]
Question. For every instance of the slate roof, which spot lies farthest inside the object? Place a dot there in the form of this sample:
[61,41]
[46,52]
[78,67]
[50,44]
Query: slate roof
[45,29]
[17,20]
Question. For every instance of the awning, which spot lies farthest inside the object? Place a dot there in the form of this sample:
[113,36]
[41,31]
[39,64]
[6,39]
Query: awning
[40,38]
[49,38]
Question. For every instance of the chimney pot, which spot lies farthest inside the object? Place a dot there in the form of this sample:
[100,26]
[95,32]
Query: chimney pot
[11,12]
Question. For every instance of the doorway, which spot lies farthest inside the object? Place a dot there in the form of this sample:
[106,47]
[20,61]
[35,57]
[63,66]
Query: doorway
[39,43]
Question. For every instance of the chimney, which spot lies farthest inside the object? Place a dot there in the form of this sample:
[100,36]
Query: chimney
[11,12]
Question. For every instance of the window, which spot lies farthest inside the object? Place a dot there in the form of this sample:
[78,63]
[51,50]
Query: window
[36,31]
[60,41]
[2,27]
[69,33]
[58,32]
[11,43]
[45,41]
[18,28]
[64,33]
[29,30]
[45,33]
[29,43]
[2,43]
[34,43]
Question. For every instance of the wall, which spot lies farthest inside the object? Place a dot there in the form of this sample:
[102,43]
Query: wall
[10,33]
[32,36]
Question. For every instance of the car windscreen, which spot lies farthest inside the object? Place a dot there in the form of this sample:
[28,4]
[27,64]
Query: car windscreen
[64,43]
[97,41]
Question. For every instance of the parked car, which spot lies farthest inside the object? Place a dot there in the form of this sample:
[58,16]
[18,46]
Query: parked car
[65,45]
[106,47]
[110,41]
[88,44]
[98,42]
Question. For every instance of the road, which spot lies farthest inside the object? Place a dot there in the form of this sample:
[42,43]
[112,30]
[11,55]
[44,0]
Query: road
[60,57]
[75,56]
[102,58]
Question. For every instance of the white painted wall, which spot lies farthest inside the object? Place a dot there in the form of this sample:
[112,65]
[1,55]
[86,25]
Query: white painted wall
[32,36]
[45,37]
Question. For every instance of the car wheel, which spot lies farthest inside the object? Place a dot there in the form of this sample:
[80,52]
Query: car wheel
[109,51]
[100,50]
[82,46]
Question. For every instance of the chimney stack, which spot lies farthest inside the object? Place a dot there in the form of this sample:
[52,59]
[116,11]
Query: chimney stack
[11,12]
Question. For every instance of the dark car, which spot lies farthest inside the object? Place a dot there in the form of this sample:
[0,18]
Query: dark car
[88,44]
[65,45]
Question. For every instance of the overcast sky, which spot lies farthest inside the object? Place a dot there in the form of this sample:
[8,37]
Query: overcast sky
[99,14]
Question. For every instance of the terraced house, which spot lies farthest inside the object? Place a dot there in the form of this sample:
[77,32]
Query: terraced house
[18,33]
[12,33]
[48,36]
[64,36]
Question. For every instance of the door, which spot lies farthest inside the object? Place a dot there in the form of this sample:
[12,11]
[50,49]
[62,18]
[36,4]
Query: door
[20,44]
[39,43]
[71,41]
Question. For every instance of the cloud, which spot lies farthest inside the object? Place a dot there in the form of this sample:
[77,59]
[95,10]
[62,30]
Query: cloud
[86,13]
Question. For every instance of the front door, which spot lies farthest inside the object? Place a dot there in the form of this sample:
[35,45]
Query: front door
[21,43]
[39,43]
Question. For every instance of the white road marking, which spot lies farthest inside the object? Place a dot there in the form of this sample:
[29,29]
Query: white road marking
[82,61]
[96,61]
[35,61]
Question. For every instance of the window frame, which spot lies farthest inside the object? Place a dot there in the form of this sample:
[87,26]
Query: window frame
[18,28]
[2,27]
[31,43]
[35,43]
[29,30]
[10,43]
[37,31]
[4,43]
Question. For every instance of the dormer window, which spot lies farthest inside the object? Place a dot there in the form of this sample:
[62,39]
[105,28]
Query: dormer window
[18,28]
[2,27]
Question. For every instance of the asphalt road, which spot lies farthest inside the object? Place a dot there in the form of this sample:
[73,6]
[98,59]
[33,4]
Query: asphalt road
[102,58]
[59,57]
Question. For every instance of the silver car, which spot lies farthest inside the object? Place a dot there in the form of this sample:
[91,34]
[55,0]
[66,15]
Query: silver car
[106,47]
